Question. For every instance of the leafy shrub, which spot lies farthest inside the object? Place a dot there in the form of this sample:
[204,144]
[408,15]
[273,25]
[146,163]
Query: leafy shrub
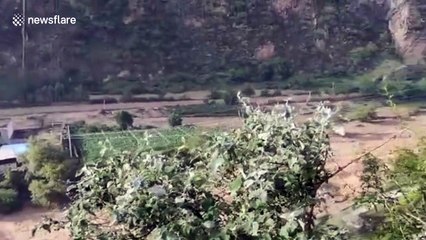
[82,127]
[48,168]
[124,119]
[276,93]
[230,97]
[363,53]
[45,192]
[210,109]
[276,69]
[9,200]
[264,93]
[302,81]
[15,179]
[175,119]
[178,82]
[398,193]
[363,113]
[263,177]
[405,89]
[366,85]
[238,75]
[215,94]
[248,91]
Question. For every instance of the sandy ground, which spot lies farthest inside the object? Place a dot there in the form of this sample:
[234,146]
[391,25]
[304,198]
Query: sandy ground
[18,226]
[360,137]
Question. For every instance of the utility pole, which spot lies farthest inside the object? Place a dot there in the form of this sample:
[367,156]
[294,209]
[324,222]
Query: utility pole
[24,35]
[69,140]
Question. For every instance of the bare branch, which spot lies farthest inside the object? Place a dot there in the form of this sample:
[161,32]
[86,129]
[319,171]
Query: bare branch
[340,169]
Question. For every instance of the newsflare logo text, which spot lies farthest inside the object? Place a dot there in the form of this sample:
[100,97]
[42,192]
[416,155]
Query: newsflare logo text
[18,20]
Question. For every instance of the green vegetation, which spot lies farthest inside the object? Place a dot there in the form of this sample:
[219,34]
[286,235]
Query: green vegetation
[82,127]
[175,119]
[124,119]
[397,194]
[94,145]
[230,97]
[248,91]
[362,112]
[215,94]
[48,168]
[9,200]
[362,53]
[276,69]
[209,109]
[264,93]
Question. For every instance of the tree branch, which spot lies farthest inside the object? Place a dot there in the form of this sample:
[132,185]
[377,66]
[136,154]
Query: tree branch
[340,169]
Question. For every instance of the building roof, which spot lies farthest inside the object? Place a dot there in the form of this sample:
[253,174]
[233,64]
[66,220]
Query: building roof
[12,151]
[7,153]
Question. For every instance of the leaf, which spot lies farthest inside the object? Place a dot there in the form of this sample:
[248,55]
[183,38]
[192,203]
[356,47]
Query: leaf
[179,200]
[216,163]
[255,228]
[284,233]
[209,224]
[248,183]
[236,184]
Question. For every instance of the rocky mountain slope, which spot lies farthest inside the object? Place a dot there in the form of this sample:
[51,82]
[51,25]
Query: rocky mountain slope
[147,45]
[407,24]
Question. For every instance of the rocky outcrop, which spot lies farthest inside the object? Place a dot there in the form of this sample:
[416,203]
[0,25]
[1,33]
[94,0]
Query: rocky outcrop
[226,40]
[407,23]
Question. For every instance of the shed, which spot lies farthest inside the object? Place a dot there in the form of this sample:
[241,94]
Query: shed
[9,156]
[19,130]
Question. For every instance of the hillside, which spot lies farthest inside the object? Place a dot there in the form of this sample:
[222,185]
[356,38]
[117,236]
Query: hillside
[155,46]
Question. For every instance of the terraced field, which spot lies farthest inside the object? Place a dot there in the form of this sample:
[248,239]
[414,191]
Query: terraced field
[92,144]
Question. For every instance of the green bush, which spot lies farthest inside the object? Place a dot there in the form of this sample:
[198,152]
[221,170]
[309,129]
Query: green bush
[238,75]
[230,97]
[367,85]
[215,94]
[47,193]
[175,119]
[397,193]
[405,89]
[276,69]
[9,200]
[276,93]
[248,91]
[265,93]
[304,81]
[82,127]
[362,53]
[48,168]
[124,119]
[363,113]
[16,179]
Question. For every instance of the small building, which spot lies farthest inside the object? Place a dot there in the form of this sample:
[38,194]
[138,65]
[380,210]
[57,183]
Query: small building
[18,131]
[10,156]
